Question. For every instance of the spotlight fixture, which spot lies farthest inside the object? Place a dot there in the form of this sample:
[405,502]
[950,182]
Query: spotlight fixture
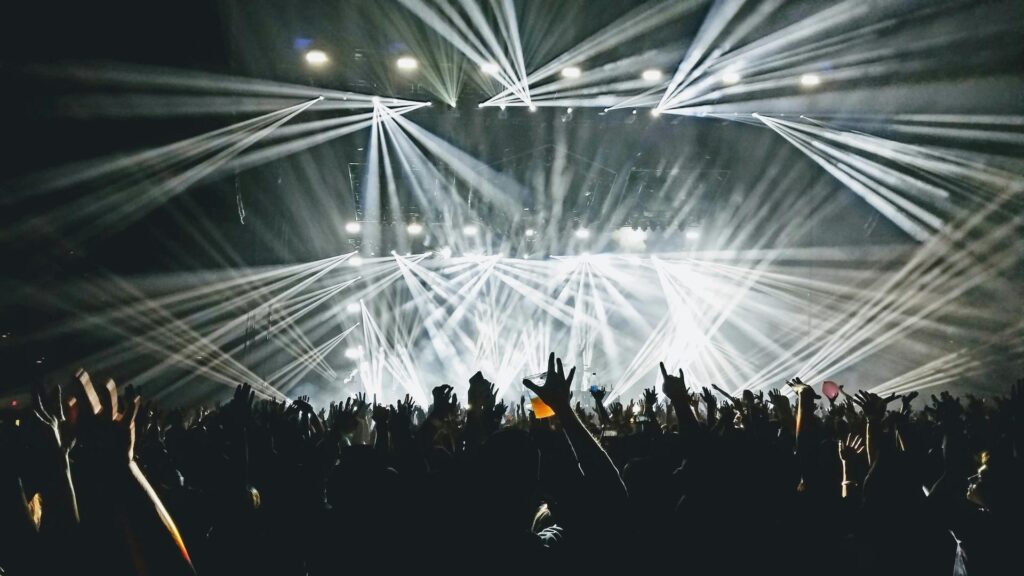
[356,260]
[445,252]
[490,68]
[353,307]
[533,107]
[530,232]
[353,227]
[692,234]
[501,107]
[582,233]
[352,353]
[730,77]
[407,63]
[414,228]
[651,75]
[571,72]
[568,110]
[470,230]
[655,112]
[317,58]
[810,80]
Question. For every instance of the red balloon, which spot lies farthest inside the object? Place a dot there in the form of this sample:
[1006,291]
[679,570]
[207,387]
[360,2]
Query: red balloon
[830,389]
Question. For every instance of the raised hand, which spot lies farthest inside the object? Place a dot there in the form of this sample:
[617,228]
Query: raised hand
[241,406]
[499,410]
[802,390]
[872,404]
[401,416]
[598,394]
[853,445]
[50,411]
[360,406]
[108,432]
[906,399]
[445,402]
[711,404]
[779,400]
[617,412]
[302,405]
[650,401]
[482,393]
[674,387]
[557,389]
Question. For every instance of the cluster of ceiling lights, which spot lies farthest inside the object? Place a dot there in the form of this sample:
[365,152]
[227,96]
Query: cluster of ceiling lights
[412,228]
[731,76]
[408,63]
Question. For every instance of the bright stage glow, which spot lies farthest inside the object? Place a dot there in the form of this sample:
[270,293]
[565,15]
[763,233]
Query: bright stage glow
[533,107]
[730,77]
[445,252]
[810,80]
[692,234]
[568,110]
[651,75]
[353,307]
[352,353]
[490,68]
[414,228]
[633,234]
[353,227]
[407,63]
[317,58]
[582,233]
[571,72]
[530,232]
[356,260]
[470,230]
[655,112]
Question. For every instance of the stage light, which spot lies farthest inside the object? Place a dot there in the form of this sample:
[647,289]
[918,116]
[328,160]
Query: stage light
[530,232]
[352,353]
[353,307]
[568,110]
[571,72]
[692,234]
[501,106]
[414,228]
[651,75]
[407,63]
[490,68]
[375,99]
[810,80]
[353,227]
[582,233]
[445,252]
[655,112]
[533,107]
[356,260]
[316,58]
[730,77]
[470,230]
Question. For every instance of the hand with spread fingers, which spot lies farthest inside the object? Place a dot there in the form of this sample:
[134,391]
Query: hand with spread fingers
[556,391]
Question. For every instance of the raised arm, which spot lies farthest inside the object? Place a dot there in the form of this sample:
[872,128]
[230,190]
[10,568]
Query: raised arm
[597,467]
